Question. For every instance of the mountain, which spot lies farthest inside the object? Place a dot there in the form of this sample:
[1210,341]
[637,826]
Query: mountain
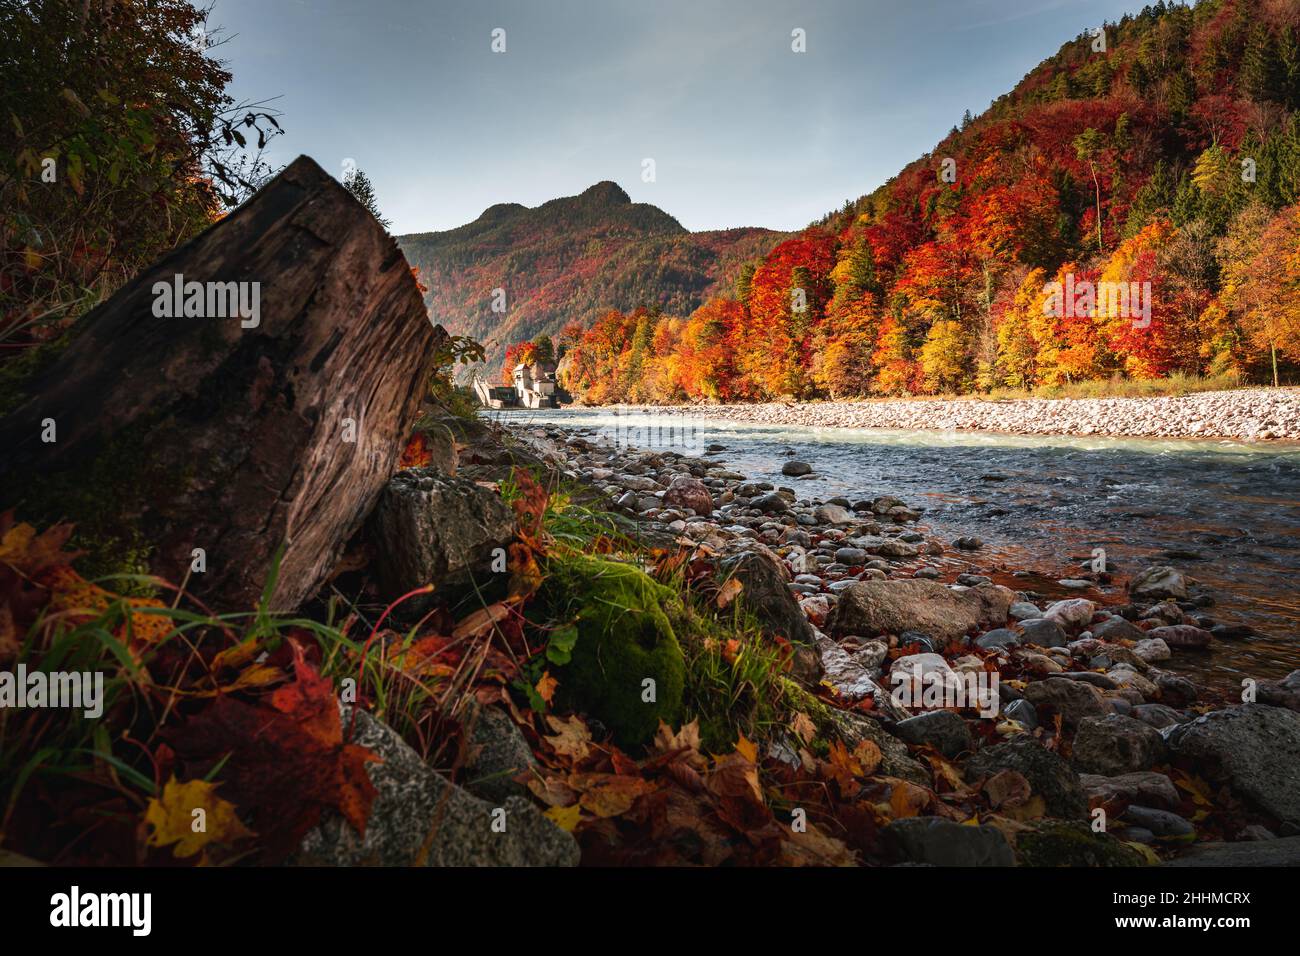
[570,259]
[1159,159]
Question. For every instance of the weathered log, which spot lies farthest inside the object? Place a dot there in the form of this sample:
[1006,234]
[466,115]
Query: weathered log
[235,434]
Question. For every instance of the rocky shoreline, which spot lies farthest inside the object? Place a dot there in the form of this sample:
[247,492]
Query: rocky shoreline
[1254,414]
[1082,712]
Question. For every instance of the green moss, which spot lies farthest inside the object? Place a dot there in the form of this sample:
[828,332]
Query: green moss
[734,689]
[624,639]
[15,373]
[1062,843]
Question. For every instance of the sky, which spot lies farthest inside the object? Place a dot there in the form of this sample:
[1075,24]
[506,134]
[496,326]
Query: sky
[743,131]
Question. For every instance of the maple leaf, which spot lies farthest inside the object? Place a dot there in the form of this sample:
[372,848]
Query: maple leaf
[1007,788]
[76,597]
[566,818]
[608,794]
[416,454]
[30,553]
[546,685]
[284,763]
[572,739]
[529,506]
[171,819]
[908,800]
[803,727]
[868,756]
[727,593]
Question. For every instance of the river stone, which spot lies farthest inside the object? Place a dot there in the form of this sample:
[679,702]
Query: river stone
[1254,748]
[1182,636]
[687,492]
[1281,852]
[1146,787]
[1071,699]
[1024,611]
[771,504]
[910,604]
[1072,613]
[941,729]
[1050,777]
[1160,822]
[1117,629]
[1022,712]
[1158,583]
[794,468]
[1158,716]
[833,514]
[764,579]
[1175,689]
[999,637]
[1281,693]
[939,842]
[431,528]
[416,807]
[1114,745]
[498,752]
[1043,632]
[1152,650]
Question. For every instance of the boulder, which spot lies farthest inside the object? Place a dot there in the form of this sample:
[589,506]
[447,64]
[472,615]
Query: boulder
[938,842]
[1248,855]
[431,528]
[419,817]
[1049,776]
[498,753]
[941,729]
[764,578]
[795,468]
[892,607]
[1073,700]
[625,639]
[1114,745]
[1254,748]
[1143,787]
[265,437]
[1058,843]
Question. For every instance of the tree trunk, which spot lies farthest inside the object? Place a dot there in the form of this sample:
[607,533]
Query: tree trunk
[231,434]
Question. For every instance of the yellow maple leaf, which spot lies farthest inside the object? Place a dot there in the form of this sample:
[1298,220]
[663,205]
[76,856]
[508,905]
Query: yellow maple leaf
[566,818]
[173,819]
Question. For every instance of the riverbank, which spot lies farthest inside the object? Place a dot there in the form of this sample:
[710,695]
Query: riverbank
[1252,414]
[1084,708]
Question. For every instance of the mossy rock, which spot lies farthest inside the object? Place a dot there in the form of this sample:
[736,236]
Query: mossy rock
[1071,843]
[624,637]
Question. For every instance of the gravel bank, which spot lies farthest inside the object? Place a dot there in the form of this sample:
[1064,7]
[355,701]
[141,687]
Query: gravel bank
[1256,414]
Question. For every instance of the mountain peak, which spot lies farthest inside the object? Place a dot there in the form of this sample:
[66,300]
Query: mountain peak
[607,193]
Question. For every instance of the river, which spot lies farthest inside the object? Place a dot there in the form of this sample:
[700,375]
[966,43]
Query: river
[1230,510]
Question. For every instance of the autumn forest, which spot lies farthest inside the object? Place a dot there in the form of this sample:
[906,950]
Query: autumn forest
[1159,158]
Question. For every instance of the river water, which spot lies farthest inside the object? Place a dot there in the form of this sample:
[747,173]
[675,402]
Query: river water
[1230,510]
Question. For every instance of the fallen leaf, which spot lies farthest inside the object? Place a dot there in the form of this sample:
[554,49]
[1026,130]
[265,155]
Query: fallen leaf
[172,818]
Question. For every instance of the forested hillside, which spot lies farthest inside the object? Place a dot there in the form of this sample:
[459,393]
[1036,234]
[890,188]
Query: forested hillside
[569,260]
[1161,159]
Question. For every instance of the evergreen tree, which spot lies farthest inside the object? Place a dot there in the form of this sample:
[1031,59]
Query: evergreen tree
[1261,78]
[359,185]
